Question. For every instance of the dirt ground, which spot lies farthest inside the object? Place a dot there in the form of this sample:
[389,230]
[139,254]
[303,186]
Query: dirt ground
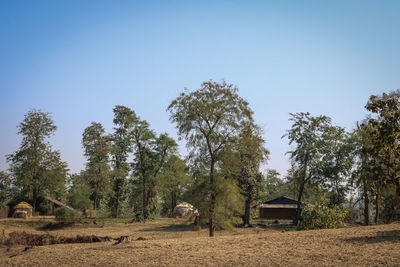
[172,242]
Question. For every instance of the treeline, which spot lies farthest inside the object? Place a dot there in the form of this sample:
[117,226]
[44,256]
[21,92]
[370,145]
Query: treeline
[127,171]
[135,172]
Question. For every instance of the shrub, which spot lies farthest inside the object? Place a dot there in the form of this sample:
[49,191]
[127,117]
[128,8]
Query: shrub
[66,215]
[79,197]
[321,216]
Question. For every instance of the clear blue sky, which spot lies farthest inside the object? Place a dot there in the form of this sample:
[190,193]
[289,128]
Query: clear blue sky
[78,59]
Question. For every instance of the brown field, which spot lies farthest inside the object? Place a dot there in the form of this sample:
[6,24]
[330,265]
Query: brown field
[172,242]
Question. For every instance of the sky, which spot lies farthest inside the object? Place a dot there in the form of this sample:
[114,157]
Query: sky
[78,59]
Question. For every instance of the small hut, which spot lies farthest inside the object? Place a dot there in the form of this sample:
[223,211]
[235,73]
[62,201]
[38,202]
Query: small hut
[22,210]
[185,210]
[281,208]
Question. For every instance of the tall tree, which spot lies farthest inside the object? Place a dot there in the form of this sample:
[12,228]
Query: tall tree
[336,163]
[251,153]
[150,156]
[308,133]
[37,169]
[386,140]
[208,119]
[124,119]
[366,160]
[96,146]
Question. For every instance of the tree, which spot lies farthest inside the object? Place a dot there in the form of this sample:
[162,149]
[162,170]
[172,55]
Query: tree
[124,119]
[365,158]
[97,148]
[273,185]
[251,154]
[208,119]
[5,188]
[174,179]
[308,133]
[386,140]
[150,155]
[336,163]
[37,170]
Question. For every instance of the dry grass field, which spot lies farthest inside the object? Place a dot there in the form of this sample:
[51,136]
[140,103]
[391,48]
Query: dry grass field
[172,242]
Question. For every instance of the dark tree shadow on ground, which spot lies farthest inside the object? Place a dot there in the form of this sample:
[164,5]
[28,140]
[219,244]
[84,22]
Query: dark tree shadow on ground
[382,236]
[54,226]
[170,228]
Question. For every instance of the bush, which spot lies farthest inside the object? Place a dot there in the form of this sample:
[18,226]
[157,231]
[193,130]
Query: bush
[321,216]
[66,215]
[79,197]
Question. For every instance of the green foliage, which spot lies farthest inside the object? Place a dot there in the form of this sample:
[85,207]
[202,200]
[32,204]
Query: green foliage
[209,119]
[79,193]
[251,153]
[97,148]
[229,201]
[198,193]
[229,204]
[124,119]
[173,180]
[36,169]
[151,153]
[5,189]
[274,186]
[321,158]
[103,209]
[320,216]
[79,198]
[384,136]
[66,215]
[337,163]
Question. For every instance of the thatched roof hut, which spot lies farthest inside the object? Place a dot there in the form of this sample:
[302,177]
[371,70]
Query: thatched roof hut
[185,210]
[23,209]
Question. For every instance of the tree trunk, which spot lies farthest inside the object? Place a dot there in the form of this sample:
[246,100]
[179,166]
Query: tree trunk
[246,219]
[173,201]
[395,201]
[366,201]
[298,210]
[377,207]
[213,196]
[144,216]
[95,199]
[149,205]
[117,206]
[34,200]
[351,201]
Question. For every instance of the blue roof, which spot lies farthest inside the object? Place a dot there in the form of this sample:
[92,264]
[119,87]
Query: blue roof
[281,200]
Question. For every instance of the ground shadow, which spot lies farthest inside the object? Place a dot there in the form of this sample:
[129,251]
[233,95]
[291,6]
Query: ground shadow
[277,226]
[54,226]
[381,236]
[170,228]
[29,239]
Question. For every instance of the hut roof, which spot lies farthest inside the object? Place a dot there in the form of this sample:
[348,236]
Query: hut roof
[23,205]
[280,202]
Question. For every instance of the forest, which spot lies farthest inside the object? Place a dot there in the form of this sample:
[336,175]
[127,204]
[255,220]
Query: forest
[134,172]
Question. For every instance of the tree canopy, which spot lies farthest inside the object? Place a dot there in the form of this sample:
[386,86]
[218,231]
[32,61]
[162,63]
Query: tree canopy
[209,119]
[37,169]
